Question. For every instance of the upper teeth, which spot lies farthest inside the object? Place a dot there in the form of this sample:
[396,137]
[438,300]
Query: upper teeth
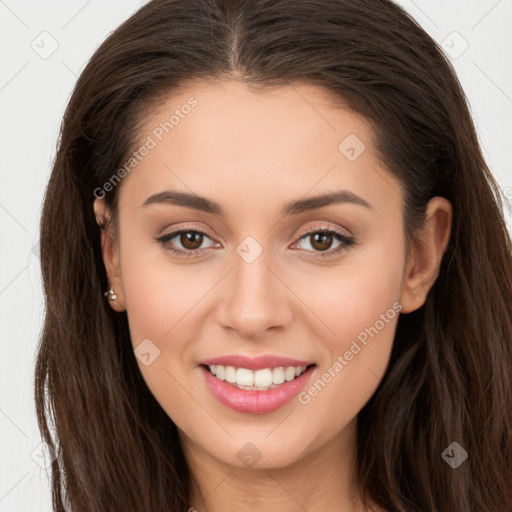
[258,379]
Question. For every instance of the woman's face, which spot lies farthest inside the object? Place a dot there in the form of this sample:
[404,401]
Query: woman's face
[256,291]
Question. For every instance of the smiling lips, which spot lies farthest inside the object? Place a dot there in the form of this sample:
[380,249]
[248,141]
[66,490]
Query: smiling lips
[255,385]
[266,378]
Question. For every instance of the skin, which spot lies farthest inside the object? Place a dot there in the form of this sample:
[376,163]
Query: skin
[252,152]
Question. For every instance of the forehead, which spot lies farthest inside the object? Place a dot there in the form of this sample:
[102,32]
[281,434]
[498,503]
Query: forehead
[221,136]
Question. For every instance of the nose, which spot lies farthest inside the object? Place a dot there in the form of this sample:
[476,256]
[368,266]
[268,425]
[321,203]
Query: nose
[255,299]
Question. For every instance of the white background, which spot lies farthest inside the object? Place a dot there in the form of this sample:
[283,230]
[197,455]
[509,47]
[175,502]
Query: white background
[33,94]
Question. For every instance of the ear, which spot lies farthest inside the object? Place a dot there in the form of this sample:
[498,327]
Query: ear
[110,254]
[426,254]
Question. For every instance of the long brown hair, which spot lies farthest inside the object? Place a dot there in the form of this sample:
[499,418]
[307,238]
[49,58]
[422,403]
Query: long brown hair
[449,378]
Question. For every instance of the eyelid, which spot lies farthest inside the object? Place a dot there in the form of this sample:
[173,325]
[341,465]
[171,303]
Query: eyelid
[325,227]
[179,229]
[312,229]
[347,240]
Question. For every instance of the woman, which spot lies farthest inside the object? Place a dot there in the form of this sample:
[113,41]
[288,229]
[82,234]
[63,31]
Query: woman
[277,270]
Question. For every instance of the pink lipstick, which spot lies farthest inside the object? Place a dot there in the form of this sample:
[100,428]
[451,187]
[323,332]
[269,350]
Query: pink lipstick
[255,385]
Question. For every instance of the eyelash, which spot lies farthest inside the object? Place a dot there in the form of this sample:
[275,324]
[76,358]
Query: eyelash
[347,242]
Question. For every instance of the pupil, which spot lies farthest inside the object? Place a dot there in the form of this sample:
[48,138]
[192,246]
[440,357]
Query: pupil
[190,239]
[324,237]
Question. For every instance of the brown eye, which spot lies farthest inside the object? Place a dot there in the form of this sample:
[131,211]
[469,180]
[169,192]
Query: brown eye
[321,241]
[185,242]
[325,242]
[191,239]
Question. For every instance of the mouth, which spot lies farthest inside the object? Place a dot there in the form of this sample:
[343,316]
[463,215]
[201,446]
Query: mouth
[256,380]
[256,391]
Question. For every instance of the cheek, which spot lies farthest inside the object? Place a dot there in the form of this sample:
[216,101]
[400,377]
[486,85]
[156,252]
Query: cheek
[359,319]
[347,299]
[159,294]
[160,299]
[163,300]
[361,310]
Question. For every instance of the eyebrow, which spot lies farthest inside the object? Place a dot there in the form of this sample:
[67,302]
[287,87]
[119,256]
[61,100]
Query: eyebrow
[292,208]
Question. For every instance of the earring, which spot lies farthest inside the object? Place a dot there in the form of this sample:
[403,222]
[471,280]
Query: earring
[111,293]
